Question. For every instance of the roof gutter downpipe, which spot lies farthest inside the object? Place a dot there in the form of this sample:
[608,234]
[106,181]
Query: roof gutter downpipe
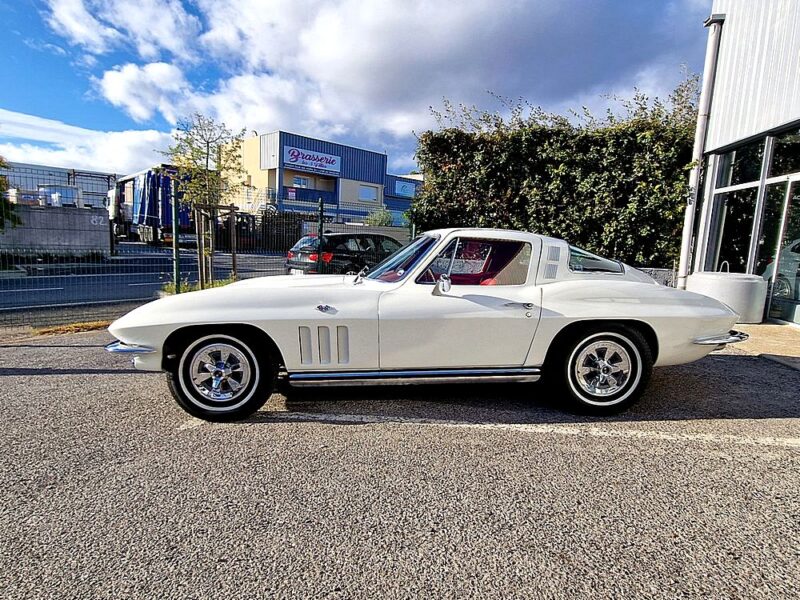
[704,109]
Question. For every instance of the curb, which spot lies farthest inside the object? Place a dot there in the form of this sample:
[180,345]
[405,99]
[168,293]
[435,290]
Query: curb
[793,362]
[16,273]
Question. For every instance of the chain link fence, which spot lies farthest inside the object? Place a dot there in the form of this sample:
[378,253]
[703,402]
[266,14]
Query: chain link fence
[79,252]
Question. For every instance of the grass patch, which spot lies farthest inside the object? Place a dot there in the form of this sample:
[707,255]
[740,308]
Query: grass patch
[72,328]
[169,288]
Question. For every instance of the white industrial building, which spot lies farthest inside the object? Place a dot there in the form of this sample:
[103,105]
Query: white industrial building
[746,217]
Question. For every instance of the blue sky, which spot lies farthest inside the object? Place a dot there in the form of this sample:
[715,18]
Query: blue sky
[99,84]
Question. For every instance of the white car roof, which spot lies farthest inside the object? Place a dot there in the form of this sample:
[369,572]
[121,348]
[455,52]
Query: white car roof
[489,232]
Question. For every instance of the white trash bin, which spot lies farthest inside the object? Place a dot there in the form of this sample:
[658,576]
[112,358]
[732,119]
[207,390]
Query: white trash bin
[746,294]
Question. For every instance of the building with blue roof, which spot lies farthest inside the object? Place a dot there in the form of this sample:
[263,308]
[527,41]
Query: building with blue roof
[295,172]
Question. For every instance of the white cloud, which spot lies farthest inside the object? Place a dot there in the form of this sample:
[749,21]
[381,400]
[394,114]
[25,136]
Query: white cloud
[150,26]
[367,72]
[26,138]
[141,91]
[73,20]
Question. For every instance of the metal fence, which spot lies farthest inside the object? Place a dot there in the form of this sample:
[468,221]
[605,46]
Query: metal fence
[69,261]
[65,261]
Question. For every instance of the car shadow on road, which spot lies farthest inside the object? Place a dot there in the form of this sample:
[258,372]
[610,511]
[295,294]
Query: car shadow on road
[717,387]
[35,372]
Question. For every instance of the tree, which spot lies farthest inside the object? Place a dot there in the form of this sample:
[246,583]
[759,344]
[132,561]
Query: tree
[379,218]
[615,184]
[208,159]
[6,208]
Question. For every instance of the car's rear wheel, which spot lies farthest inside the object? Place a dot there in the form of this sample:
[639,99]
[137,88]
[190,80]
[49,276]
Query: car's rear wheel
[605,369]
[782,289]
[221,378]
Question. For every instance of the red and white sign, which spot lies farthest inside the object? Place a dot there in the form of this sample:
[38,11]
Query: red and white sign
[311,160]
[292,193]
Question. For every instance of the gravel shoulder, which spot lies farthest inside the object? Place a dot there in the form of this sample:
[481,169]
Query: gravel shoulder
[107,489]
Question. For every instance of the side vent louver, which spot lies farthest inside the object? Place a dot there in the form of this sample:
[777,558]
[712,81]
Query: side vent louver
[551,271]
[305,346]
[324,334]
[343,345]
[324,349]
[553,254]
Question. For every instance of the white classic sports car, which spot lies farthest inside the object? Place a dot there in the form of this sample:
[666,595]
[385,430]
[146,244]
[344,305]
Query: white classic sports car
[455,305]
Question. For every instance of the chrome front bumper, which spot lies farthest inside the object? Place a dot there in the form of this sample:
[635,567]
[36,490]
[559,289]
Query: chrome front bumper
[732,337]
[123,348]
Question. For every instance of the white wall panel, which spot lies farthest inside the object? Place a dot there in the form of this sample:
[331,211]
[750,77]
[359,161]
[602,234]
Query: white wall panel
[758,72]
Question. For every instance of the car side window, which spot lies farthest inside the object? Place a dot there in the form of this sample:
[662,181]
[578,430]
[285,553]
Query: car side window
[367,244]
[481,262]
[351,245]
[583,261]
[388,246]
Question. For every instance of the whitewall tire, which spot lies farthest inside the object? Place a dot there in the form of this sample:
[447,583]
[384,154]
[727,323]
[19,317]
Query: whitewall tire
[220,377]
[605,369]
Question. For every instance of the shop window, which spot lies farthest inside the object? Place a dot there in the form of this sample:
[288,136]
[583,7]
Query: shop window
[770,228]
[730,230]
[301,182]
[741,165]
[786,154]
[368,193]
[786,280]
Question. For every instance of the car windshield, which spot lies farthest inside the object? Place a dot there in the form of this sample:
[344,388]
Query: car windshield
[398,265]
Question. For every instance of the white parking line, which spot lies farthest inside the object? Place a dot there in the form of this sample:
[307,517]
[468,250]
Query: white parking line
[536,428]
[31,290]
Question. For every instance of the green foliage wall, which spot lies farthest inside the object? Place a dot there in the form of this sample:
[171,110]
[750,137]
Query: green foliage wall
[7,216]
[615,186]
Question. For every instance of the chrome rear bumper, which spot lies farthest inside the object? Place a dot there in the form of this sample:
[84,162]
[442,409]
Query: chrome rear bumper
[732,337]
[123,348]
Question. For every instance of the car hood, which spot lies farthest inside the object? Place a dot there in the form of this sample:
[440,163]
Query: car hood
[263,297]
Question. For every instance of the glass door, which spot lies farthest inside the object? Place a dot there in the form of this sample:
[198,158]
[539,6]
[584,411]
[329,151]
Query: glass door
[783,270]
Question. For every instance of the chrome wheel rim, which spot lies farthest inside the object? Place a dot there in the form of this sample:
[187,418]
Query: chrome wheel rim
[782,288]
[603,368]
[220,372]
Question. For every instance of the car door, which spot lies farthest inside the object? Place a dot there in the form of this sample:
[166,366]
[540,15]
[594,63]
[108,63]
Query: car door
[486,319]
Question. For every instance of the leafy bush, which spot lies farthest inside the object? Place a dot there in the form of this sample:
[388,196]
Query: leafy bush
[379,218]
[7,216]
[616,186]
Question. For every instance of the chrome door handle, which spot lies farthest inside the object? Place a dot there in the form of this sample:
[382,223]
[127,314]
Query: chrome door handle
[325,308]
[525,305]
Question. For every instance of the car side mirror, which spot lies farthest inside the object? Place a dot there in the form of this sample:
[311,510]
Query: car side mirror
[442,286]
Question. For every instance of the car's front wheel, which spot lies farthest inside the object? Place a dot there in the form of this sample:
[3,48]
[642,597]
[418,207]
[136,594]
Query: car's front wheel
[221,378]
[605,369]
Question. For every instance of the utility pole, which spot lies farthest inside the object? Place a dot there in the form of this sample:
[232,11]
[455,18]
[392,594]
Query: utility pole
[319,233]
[176,254]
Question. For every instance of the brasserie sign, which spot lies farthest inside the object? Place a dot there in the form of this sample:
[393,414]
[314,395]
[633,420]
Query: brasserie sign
[308,159]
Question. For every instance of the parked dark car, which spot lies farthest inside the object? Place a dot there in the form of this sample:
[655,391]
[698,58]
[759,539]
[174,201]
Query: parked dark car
[339,253]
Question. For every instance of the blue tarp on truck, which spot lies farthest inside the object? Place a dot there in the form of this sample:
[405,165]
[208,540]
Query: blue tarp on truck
[150,195]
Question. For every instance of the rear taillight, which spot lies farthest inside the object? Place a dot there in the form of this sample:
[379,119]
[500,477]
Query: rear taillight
[290,254]
[326,257]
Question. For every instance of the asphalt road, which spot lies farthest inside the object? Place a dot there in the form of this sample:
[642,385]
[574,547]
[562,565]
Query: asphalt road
[129,276]
[107,489]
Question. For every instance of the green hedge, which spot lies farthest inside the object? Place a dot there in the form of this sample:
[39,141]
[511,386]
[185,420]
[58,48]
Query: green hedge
[615,186]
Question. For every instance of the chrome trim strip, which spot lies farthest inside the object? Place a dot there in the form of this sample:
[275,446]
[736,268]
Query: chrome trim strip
[413,373]
[732,337]
[411,377]
[412,380]
[123,348]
